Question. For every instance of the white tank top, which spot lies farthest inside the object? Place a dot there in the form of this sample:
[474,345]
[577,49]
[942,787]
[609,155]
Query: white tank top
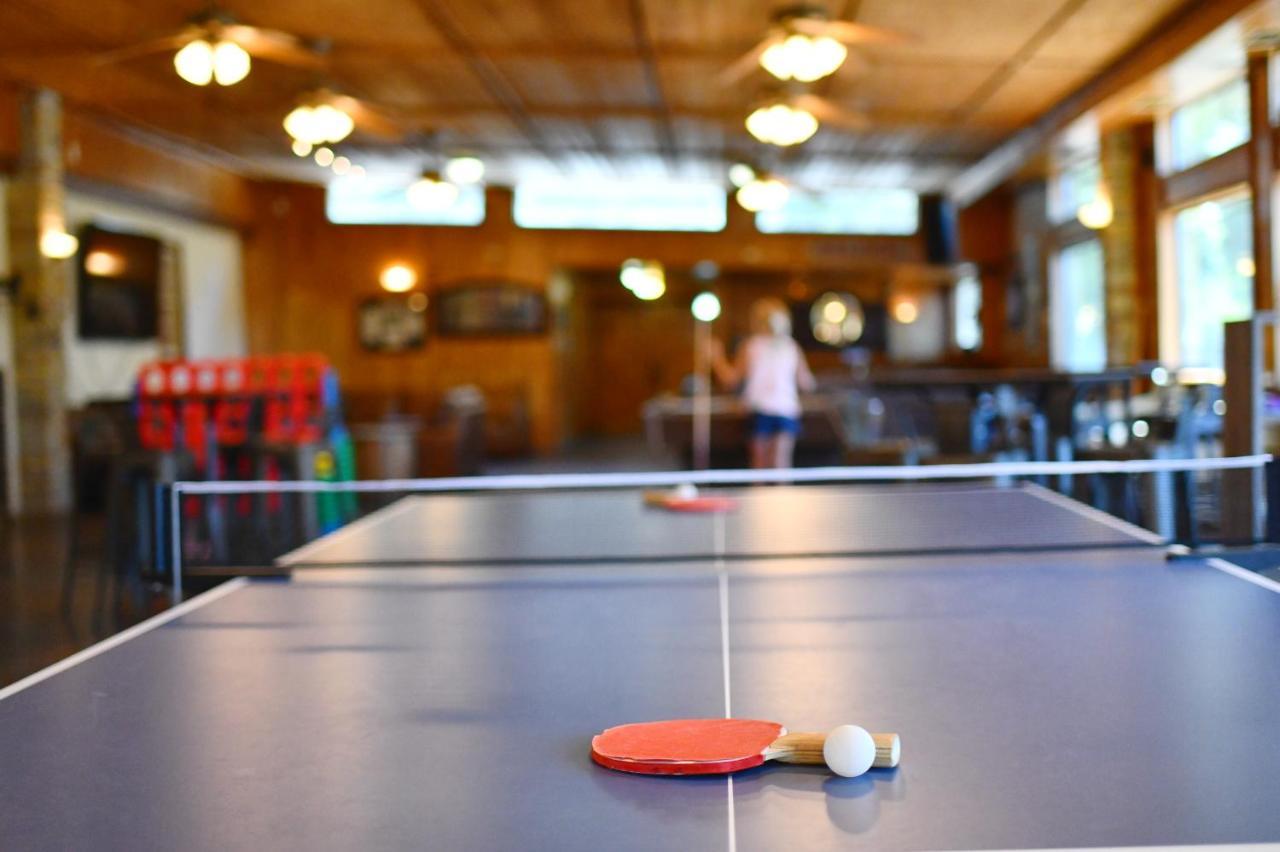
[772,365]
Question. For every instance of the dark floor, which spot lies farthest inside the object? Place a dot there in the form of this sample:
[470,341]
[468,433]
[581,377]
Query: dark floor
[590,455]
[39,624]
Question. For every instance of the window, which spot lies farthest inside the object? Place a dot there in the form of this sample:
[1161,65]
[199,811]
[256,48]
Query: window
[844,211]
[1078,335]
[1209,126]
[1073,187]
[620,205]
[383,201]
[966,309]
[1214,250]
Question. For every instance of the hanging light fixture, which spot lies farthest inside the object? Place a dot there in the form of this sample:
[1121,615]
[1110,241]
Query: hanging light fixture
[194,62]
[224,62]
[741,174]
[763,192]
[646,279]
[780,123]
[705,307]
[318,123]
[231,63]
[432,192]
[804,58]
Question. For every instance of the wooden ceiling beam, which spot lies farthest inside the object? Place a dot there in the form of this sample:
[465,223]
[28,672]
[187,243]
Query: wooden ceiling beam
[805,154]
[652,81]
[1163,43]
[861,158]
[493,81]
[427,117]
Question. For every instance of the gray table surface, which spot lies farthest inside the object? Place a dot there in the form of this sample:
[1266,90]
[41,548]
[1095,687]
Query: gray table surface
[1058,699]
[561,527]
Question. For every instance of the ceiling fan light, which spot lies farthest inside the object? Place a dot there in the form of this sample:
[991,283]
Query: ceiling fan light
[430,192]
[821,58]
[231,63]
[782,124]
[763,193]
[302,125]
[800,57]
[194,62]
[741,174]
[334,124]
[776,59]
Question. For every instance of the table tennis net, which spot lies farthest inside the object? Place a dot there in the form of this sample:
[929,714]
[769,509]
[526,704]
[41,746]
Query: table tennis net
[223,528]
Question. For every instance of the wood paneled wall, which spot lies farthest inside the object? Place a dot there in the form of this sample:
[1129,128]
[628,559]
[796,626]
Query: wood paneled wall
[120,163]
[113,160]
[986,236]
[305,277]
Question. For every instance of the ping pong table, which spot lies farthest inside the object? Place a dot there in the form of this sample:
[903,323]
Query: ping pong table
[430,678]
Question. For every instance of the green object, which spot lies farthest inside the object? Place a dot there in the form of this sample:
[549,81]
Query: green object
[344,452]
[328,504]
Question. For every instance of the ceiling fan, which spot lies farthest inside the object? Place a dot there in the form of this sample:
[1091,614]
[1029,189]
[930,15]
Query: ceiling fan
[216,47]
[792,115]
[324,116]
[804,44]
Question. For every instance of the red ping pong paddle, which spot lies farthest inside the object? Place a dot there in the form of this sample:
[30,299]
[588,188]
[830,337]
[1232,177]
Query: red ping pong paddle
[678,502]
[712,746]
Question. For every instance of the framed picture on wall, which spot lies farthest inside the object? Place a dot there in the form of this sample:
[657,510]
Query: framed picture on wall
[490,308]
[393,323]
[117,285]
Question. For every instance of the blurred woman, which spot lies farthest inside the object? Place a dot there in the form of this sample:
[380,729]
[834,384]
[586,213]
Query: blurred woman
[772,371]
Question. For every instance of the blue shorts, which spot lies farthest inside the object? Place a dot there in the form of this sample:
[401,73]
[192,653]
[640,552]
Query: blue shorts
[768,425]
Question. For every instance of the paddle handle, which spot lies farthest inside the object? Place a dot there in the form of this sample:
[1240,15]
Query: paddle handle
[806,747]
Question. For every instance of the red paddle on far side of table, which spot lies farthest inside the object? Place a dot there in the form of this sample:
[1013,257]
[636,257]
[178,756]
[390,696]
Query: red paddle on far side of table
[686,498]
[713,746]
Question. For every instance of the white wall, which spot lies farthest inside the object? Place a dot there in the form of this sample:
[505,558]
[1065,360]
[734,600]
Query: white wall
[212,295]
[10,430]
[925,339]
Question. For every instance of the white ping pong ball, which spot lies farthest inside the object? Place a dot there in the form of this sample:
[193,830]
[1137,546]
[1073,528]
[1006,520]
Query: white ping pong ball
[686,491]
[849,750]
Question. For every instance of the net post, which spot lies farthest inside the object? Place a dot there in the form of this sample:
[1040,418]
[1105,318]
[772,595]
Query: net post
[1242,427]
[175,542]
[159,528]
[702,395]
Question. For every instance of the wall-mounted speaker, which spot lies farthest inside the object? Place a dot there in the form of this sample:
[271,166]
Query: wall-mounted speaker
[938,226]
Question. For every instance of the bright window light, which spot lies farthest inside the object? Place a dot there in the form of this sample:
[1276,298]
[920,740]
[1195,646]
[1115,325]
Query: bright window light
[1078,333]
[356,200]
[1209,125]
[1210,239]
[1073,187]
[620,205]
[844,211]
[967,313]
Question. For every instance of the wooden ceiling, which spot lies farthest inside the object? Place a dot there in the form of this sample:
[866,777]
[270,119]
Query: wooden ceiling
[592,87]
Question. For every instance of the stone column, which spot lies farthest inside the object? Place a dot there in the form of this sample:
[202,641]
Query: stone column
[1129,244]
[40,310]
